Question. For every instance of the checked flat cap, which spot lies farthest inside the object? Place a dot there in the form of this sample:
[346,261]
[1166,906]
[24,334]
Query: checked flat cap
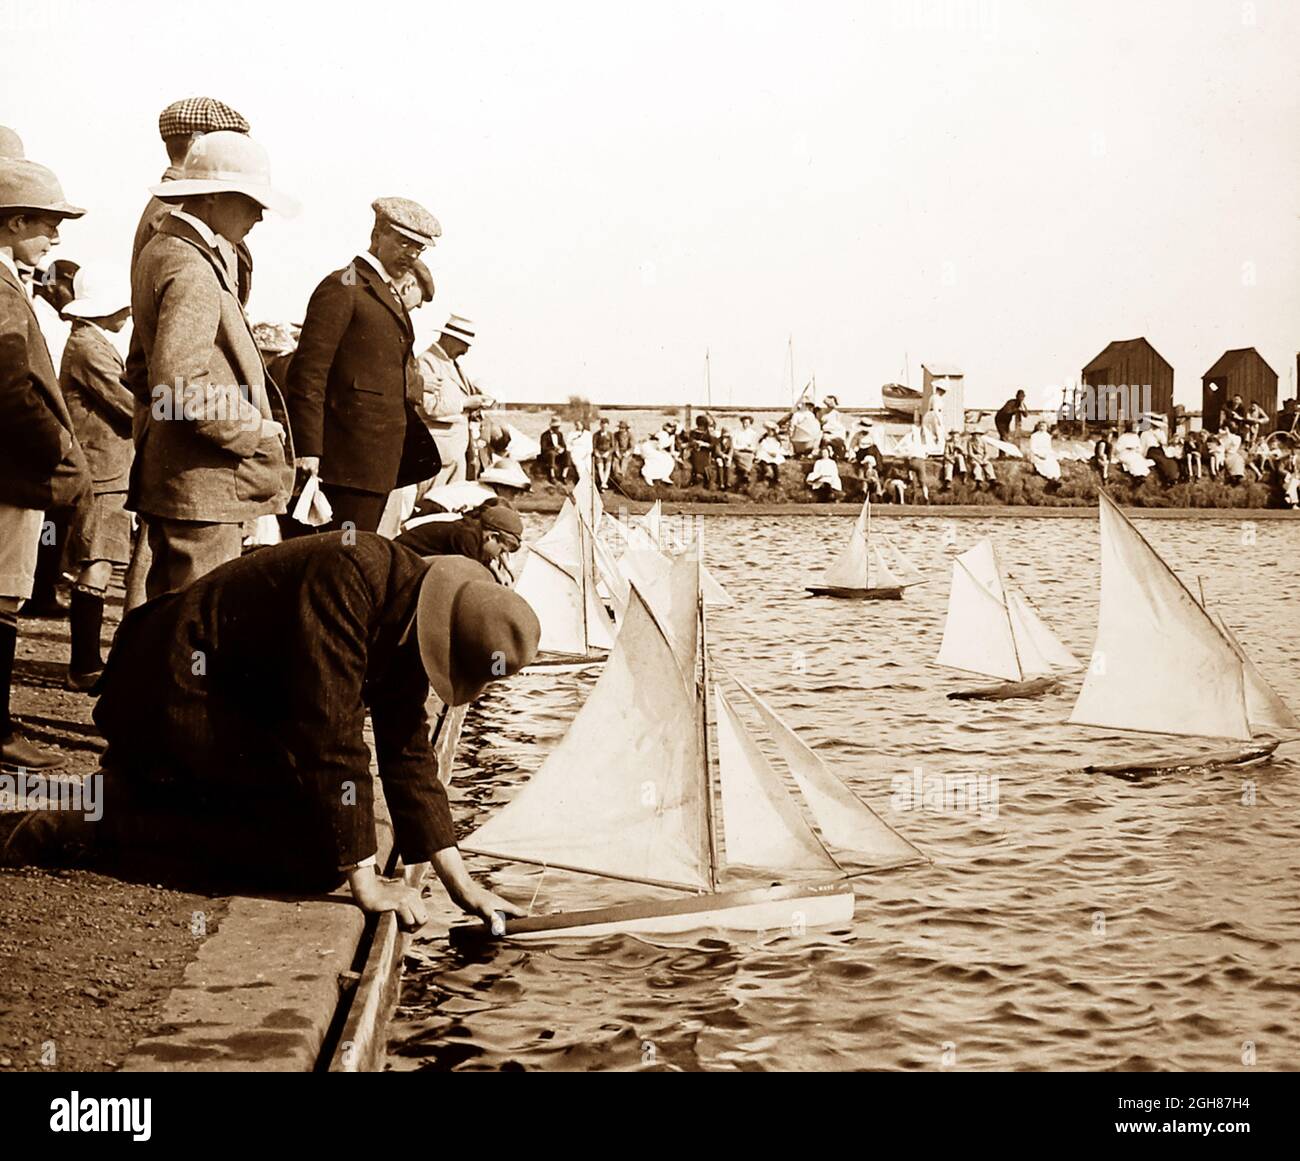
[409,218]
[199,115]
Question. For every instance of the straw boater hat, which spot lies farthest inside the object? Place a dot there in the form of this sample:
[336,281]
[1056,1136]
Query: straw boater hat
[11,145]
[470,629]
[226,162]
[24,185]
[505,473]
[408,218]
[457,327]
[97,294]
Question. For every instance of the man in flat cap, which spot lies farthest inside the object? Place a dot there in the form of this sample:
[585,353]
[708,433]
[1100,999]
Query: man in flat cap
[41,462]
[353,382]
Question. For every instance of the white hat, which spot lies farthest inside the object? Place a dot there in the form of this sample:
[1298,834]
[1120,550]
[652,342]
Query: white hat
[97,293]
[505,472]
[226,162]
[459,328]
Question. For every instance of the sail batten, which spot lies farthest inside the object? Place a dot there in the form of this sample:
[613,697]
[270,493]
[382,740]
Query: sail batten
[1160,663]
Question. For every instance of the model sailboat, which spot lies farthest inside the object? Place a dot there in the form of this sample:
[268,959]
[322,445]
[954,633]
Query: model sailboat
[559,579]
[870,568]
[992,631]
[659,783]
[1164,664]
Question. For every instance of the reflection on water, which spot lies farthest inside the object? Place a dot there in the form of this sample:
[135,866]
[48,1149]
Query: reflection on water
[1069,921]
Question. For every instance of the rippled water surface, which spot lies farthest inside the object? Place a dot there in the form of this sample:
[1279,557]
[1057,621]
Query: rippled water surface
[1075,921]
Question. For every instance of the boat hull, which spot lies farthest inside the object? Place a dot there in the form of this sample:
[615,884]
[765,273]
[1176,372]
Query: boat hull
[1251,756]
[1007,689]
[564,663]
[793,907]
[888,593]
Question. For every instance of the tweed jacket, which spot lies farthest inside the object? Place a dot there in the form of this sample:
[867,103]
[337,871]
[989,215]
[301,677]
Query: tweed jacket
[41,463]
[351,384]
[200,453]
[298,640]
[101,407]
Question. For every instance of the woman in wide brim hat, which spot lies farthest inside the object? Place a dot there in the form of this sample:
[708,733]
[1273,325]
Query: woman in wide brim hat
[226,162]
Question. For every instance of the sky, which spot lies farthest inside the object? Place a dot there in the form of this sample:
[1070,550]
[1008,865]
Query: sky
[1004,185]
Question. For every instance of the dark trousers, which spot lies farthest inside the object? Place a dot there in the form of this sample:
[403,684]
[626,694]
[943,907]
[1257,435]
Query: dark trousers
[361,511]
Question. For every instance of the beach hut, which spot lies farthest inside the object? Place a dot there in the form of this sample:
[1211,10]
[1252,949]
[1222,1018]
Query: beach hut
[1118,379]
[1240,372]
[949,378]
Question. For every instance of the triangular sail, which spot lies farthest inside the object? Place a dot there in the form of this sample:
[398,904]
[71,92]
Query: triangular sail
[622,793]
[1265,709]
[879,574]
[849,569]
[1038,648]
[557,598]
[977,636]
[908,574]
[847,823]
[762,825]
[1160,664]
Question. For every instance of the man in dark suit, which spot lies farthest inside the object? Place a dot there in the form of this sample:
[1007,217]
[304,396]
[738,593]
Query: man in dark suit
[41,463]
[252,767]
[353,381]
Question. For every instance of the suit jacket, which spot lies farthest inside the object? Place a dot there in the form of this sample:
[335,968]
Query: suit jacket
[155,213]
[41,463]
[101,407]
[298,639]
[351,382]
[200,454]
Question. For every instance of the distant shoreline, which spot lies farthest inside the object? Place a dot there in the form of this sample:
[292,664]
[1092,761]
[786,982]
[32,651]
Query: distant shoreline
[552,504]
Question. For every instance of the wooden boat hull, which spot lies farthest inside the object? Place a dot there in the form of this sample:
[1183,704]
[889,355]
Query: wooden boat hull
[564,663]
[889,593]
[1251,756]
[792,907]
[1007,689]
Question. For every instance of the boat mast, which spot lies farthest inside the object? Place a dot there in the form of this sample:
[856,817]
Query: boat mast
[1006,608]
[708,381]
[867,538]
[705,721]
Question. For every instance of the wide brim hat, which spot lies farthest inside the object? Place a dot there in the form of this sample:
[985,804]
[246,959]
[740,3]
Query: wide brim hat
[457,327]
[505,473]
[97,295]
[226,162]
[26,185]
[470,629]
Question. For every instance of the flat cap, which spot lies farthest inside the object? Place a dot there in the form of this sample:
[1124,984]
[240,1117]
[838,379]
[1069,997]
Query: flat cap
[502,518]
[409,218]
[199,115]
[11,145]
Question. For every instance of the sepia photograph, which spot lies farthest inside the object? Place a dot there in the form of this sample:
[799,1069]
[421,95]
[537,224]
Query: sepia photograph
[614,538]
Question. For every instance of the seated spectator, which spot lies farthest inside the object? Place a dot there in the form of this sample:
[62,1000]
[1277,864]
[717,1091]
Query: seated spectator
[833,427]
[1102,453]
[555,454]
[769,457]
[702,446]
[894,477]
[862,443]
[1259,459]
[1129,454]
[602,449]
[1234,463]
[1166,466]
[1042,455]
[978,460]
[870,477]
[824,479]
[1234,415]
[724,454]
[1256,418]
[954,460]
[657,461]
[624,443]
[1193,455]
[1214,455]
[805,431]
[1289,478]
[744,444]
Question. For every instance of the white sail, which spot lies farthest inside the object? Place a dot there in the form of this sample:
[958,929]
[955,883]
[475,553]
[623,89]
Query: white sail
[715,596]
[1038,648]
[556,596]
[879,574]
[1160,664]
[907,573]
[1265,709]
[847,823]
[622,793]
[977,636]
[762,825]
[849,569]
[565,543]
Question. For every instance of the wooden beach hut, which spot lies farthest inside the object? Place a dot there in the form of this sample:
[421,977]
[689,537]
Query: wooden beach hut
[1239,372]
[1115,382]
